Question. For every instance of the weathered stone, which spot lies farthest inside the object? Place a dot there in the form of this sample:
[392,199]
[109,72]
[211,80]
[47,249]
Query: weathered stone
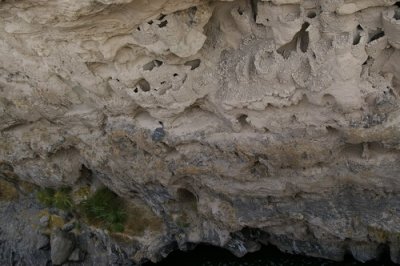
[68,226]
[44,220]
[42,241]
[280,117]
[76,255]
[62,245]
[20,241]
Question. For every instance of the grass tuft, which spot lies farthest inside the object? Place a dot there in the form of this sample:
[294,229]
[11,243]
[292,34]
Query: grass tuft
[103,208]
[45,196]
[106,208]
[60,198]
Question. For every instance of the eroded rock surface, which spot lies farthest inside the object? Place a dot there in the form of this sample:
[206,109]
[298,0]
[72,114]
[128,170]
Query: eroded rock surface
[236,122]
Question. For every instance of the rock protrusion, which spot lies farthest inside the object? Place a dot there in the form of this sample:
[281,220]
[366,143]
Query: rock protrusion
[62,245]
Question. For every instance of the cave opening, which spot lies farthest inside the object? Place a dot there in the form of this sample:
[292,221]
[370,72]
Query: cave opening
[207,255]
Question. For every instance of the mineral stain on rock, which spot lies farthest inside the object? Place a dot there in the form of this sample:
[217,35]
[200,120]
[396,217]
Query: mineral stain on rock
[158,134]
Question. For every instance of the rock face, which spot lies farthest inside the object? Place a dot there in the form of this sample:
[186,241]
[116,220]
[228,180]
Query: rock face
[236,122]
[62,245]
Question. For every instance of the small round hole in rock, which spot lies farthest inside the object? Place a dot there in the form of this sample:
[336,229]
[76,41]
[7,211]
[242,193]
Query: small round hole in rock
[379,33]
[357,35]
[397,14]
[163,24]
[242,119]
[193,64]
[193,10]
[143,85]
[331,129]
[185,196]
[152,64]
[311,14]
[328,100]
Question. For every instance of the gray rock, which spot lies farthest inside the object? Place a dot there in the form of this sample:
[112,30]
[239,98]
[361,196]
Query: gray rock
[62,244]
[286,120]
[237,247]
[364,251]
[44,221]
[158,134]
[395,253]
[68,226]
[42,241]
[252,246]
[77,255]
[20,244]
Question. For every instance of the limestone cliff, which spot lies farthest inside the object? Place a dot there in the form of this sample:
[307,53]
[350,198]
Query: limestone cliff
[235,122]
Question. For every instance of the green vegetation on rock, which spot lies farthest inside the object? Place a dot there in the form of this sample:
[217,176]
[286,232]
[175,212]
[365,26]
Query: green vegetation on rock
[60,198]
[46,196]
[103,208]
[106,208]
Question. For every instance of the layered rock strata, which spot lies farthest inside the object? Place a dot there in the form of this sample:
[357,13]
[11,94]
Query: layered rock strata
[236,122]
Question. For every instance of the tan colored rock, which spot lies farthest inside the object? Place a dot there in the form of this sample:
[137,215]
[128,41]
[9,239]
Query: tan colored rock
[280,117]
[391,24]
